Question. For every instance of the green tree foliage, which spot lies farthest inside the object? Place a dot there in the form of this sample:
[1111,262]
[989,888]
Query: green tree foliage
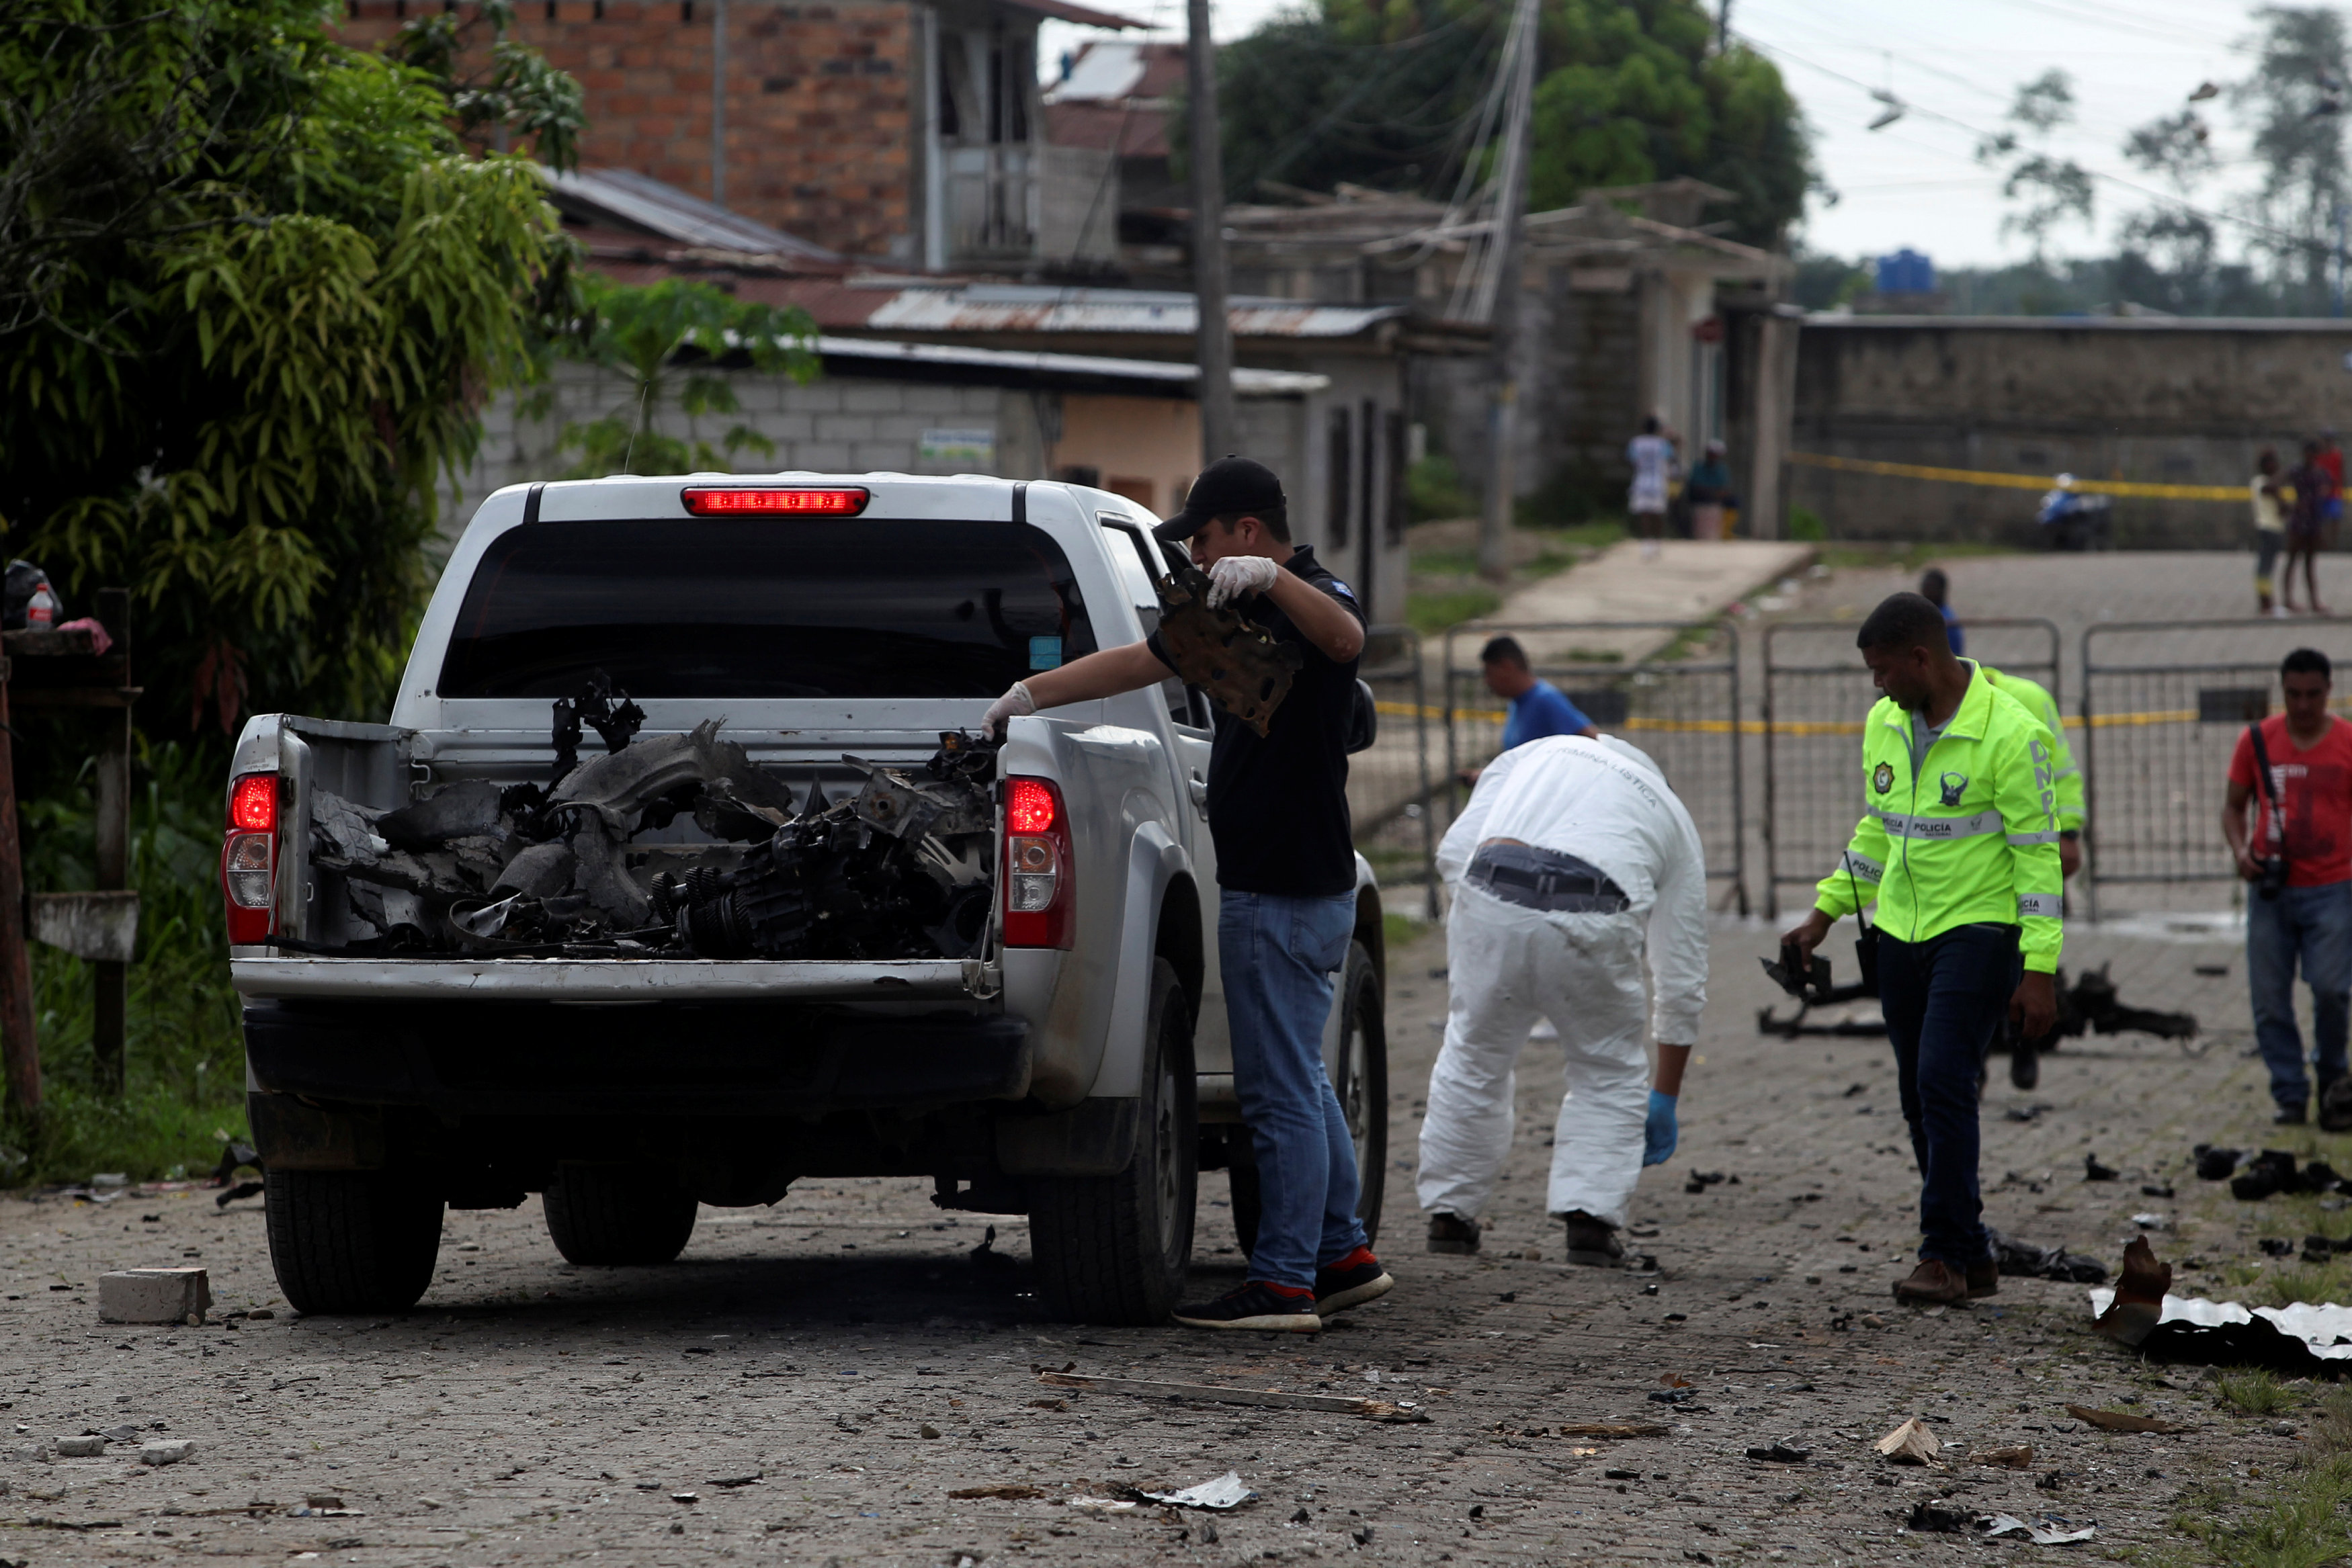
[665,344]
[1630,91]
[253,290]
[518,101]
[2293,98]
[2050,189]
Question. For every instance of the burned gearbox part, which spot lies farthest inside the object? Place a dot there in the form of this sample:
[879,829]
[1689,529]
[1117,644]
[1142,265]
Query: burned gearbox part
[903,869]
[606,709]
[1245,670]
[898,871]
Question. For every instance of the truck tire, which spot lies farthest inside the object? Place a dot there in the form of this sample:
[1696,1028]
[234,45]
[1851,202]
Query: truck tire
[616,1216]
[1363,1091]
[350,1241]
[1114,1249]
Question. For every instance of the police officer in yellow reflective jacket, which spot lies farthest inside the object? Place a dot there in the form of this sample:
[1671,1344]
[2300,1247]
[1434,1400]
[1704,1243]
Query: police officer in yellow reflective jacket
[1959,847]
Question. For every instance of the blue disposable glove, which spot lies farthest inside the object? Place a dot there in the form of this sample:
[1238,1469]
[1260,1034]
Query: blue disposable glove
[1659,1134]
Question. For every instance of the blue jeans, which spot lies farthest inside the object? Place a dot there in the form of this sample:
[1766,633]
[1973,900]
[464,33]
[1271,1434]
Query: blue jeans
[1943,998]
[1279,957]
[2313,924]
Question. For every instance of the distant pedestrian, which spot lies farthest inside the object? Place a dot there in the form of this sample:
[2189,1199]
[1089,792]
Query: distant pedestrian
[2331,457]
[1651,454]
[2291,775]
[2268,492]
[1709,490]
[2306,525]
[1537,708]
[1937,590]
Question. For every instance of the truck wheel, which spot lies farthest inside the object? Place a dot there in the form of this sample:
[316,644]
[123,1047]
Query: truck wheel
[1115,1248]
[1363,1091]
[350,1241]
[614,1216]
[1363,1086]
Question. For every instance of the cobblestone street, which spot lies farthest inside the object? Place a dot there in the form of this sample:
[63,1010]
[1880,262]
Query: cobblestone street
[788,1372]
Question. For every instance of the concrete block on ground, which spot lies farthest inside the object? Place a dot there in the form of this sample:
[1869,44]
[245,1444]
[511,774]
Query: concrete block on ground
[88,1447]
[166,1452]
[155,1296]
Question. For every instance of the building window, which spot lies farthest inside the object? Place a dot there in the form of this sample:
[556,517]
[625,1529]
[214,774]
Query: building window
[685,10]
[1337,471]
[1392,523]
[950,123]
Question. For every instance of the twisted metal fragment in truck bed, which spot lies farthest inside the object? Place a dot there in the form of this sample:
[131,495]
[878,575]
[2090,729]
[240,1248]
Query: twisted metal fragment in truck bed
[1242,669]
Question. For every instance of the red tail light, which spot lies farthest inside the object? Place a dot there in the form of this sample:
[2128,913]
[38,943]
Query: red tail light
[1040,890]
[249,858]
[731,502]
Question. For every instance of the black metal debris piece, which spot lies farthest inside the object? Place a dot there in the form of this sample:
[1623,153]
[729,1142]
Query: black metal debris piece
[2274,1171]
[2214,1164]
[2094,1170]
[901,870]
[2089,1006]
[2023,1259]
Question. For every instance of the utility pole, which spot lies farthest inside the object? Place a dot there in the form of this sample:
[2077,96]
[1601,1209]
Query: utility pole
[1503,251]
[2341,210]
[718,102]
[1216,350]
[1722,28]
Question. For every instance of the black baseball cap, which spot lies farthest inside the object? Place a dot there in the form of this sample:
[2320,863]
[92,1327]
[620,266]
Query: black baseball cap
[1229,484]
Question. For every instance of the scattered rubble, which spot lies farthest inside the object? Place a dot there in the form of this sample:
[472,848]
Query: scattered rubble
[166,1452]
[901,868]
[1910,1444]
[2049,1533]
[155,1296]
[2272,1172]
[1401,1410]
[85,1448]
[2118,1420]
[2140,1313]
[1227,1491]
[2025,1260]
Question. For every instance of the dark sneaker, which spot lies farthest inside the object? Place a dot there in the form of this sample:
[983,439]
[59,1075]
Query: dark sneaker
[1593,1243]
[1350,1283]
[1933,1283]
[1984,1279]
[2024,1066]
[1452,1233]
[2292,1115]
[1256,1305]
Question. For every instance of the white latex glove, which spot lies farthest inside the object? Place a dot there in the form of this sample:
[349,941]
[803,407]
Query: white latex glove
[1235,575]
[1015,704]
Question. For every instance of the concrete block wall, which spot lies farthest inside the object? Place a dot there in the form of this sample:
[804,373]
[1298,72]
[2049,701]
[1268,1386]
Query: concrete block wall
[820,110]
[841,425]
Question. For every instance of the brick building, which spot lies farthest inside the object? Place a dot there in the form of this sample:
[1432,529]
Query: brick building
[888,131]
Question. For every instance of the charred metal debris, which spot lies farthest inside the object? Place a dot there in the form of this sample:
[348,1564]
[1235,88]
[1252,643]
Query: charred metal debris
[900,869]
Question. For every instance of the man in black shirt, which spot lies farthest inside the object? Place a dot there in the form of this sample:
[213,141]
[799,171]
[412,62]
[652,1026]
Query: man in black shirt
[1287,871]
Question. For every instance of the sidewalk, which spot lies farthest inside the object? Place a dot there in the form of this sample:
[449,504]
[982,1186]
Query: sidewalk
[1687,580]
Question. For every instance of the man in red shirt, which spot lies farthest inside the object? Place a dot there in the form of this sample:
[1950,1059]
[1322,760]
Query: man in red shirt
[2302,815]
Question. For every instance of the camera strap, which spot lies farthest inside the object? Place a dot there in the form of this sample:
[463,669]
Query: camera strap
[2270,790]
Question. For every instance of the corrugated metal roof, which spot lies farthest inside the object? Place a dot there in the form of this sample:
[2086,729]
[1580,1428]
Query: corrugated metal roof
[642,202]
[1179,378]
[1006,307]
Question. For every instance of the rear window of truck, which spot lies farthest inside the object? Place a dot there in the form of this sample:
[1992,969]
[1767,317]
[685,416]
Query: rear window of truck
[759,607]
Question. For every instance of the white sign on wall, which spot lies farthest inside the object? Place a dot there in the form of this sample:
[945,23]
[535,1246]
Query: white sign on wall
[973,449]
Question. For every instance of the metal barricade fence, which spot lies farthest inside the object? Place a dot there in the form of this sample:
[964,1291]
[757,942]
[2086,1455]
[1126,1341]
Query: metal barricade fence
[1390,780]
[1817,693]
[1670,688]
[2163,706]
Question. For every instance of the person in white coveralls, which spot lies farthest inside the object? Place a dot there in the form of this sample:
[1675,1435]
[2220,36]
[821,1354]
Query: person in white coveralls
[1573,860]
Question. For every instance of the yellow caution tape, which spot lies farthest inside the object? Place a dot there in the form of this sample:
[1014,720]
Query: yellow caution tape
[2022,481]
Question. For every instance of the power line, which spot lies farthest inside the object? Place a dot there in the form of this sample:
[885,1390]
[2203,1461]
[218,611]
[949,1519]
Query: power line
[2209,214]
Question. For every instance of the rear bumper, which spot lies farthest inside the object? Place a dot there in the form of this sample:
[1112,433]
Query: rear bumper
[263,972]
[728,1061]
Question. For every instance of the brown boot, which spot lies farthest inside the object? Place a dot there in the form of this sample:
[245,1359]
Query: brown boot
[1593,1242]
[1984,1279]
[1452,1233]
[1933,1283]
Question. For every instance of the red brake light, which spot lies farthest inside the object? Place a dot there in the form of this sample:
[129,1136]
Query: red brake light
[1030,809]
[710,502]
[1040,894]
[253,804]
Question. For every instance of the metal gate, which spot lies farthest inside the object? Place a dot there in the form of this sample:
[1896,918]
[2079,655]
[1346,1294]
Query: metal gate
[1390,778]
[1670,688]
[2163,705]
[1817,693]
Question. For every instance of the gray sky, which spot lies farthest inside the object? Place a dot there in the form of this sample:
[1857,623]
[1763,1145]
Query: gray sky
[1917,183]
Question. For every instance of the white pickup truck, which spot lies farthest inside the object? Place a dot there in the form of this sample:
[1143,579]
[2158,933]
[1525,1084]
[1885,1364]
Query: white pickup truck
[1066,1060]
